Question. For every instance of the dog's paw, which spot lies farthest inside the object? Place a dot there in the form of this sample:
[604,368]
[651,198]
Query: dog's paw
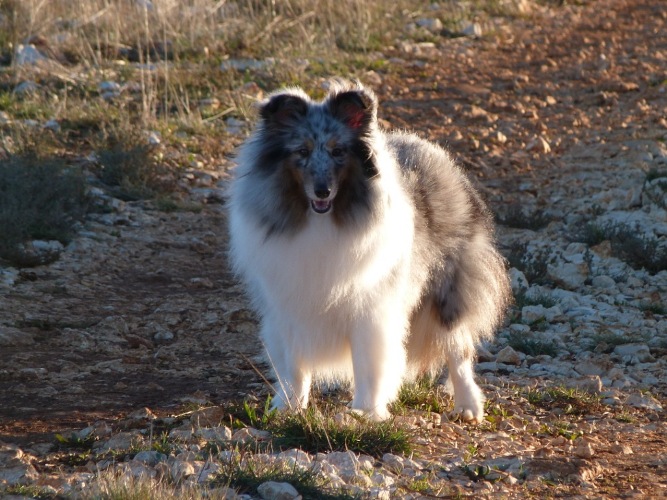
[472,416]
[469,408]
[374,415]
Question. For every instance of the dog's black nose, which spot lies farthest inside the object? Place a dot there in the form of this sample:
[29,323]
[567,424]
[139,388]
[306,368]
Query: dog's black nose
[322,192]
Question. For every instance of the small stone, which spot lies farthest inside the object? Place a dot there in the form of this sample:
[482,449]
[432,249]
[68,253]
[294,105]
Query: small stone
[248,435]
[508,356]
[473,30]
[483,354]
[181,470]
[108,86]
[272,490]
[434,25]
[568,275]
[603,282]
[393,462]
[584,449]
[151,458]
[539,145]
[52,125]
[299,456]
[121,441]
[163,336]
[499,137]
[154,138]
[533,314]
[592,384]
[235,126]
[518,281]
[28,55]
[208,417]
[11,337]
[621,449]
[644,401]
[519,329]
[221,433]
[634,353]
[183,435]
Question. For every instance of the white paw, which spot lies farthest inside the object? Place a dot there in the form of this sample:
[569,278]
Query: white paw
[374,415]
[474,416]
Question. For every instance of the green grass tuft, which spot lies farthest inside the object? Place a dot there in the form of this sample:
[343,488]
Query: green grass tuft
[424,395]
[571,401]
[314,430]
[515,217]
[247,475]
[531,346]
[628,244]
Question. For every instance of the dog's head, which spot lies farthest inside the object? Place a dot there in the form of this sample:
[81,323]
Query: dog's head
[324,148]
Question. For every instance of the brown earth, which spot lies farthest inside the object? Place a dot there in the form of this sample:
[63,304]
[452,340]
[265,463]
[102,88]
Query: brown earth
[585,78]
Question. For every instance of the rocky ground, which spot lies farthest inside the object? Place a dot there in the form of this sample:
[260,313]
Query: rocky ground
[560,116]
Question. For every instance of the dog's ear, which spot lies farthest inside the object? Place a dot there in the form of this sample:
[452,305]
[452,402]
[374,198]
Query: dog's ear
[283,110]
[355,108]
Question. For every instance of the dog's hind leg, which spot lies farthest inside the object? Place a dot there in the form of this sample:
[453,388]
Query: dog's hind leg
[468,397]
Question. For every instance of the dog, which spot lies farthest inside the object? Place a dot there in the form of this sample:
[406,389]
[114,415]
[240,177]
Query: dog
[369,256]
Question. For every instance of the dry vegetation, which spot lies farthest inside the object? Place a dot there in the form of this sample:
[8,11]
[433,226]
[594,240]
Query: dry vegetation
[132,99]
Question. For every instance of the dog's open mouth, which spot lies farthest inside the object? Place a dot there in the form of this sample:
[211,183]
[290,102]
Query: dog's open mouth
[321,206]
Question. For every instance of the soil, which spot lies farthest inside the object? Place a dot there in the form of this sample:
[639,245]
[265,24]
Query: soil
[586,79]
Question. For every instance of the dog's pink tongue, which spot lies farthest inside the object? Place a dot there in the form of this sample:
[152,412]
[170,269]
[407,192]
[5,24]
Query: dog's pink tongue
[321,206]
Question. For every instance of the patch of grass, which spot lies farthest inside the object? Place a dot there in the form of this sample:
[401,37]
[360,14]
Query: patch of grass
[162,444]
[532,346]
[75,442]
[655,173]
[654,308]
[626,417]
[27,491]
[40,199]
[628,244]
[168,204]
[515,216]
[521,300]
[605,340]
[421,485]
[532,265]
[247,475]
[423,395]
[314,430]
[570,401]
[133,172]
[119,486]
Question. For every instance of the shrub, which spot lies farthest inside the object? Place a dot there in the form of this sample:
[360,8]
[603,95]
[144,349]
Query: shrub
[40,198]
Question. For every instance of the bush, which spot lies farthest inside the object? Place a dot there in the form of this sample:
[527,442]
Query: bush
[628,244]
[40,199]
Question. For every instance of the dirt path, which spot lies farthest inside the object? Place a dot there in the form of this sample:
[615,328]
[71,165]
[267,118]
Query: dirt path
[141,311]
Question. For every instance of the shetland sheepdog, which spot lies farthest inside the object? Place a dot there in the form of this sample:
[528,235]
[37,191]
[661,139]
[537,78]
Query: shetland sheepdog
[369,256]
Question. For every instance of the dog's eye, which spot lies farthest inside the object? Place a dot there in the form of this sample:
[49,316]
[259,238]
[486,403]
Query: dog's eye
[303,152]
[337,152]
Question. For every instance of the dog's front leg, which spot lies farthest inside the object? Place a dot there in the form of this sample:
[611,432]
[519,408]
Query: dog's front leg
[293,381]
[379,364]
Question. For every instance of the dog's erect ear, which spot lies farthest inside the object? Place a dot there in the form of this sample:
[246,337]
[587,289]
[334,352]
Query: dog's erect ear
[283,109]
[355,108]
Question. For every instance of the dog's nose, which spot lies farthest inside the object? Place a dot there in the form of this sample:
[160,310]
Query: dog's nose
[322,192]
